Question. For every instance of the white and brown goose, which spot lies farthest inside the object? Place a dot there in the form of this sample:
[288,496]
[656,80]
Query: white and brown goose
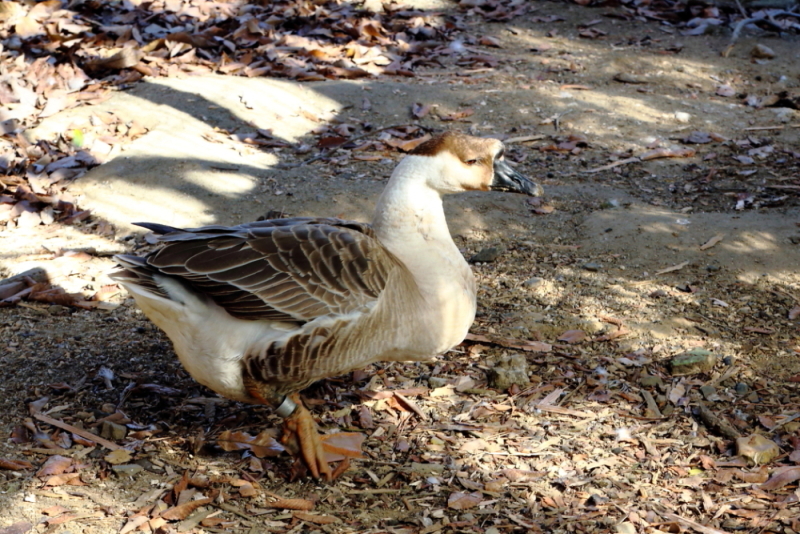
[259,311]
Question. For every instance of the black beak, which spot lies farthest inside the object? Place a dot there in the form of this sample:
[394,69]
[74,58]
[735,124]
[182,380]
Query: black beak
[508,179]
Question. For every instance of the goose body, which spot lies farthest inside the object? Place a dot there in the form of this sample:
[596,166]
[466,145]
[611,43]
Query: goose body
[259,311]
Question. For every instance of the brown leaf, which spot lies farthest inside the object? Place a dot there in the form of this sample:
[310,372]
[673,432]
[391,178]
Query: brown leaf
[490,41]
[613,335]
[55,465]
[66,479]
[780,477]
[134,523]
[528,346]
[458,115]
[711,242]
[545,209]
[667,153]
[261,445]
[462,501]
[119,456]
[15,465]
[343,445]
[420,110]
[124,59]
[573,336]
[290,504]
[182,511]
[407,146]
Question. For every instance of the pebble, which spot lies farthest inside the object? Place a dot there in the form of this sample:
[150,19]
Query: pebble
[709,393]
[487,255]
[785,115]
[127,469]
[627,77]
[692,362]
[761,51]
[530,282]
[712,268]
[113,431]
[682,116]
[507,371]
[741,388]
[649,381]
[592,266]
[437,382]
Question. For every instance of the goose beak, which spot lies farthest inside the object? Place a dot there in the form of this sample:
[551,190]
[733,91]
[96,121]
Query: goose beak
[506,178]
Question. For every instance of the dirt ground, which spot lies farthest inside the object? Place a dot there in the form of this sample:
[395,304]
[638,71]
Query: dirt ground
[647,259]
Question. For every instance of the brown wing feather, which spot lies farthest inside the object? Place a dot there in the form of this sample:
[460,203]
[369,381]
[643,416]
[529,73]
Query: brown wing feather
[286,269]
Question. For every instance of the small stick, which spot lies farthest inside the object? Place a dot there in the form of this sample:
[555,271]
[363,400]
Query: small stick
[79,431]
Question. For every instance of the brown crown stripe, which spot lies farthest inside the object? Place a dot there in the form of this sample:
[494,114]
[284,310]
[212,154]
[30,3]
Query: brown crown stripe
[462,146]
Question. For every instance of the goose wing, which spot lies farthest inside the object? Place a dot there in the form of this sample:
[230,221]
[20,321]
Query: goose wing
[293,269]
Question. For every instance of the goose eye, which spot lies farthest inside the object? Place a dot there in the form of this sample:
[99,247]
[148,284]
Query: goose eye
[472,162]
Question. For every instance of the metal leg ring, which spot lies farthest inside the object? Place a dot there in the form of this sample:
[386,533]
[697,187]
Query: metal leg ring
[286,407]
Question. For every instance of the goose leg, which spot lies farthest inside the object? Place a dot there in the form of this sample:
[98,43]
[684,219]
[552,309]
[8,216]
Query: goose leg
[301,436]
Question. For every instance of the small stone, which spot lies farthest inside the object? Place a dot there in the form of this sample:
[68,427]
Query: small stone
[785,115]
[113,431]
[658,293]
[682,116]
[127,469]
[761,51]
[595,499]
[627,77]
[712,268]
[728,360]
[692,362]
[649,381]
[709,393]
[487,255]
[507,371]
[591,266]
[757,448]
[741,388]
[437,382]
[531,282]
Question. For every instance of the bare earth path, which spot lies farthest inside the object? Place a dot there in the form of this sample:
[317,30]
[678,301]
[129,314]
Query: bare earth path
[631,260]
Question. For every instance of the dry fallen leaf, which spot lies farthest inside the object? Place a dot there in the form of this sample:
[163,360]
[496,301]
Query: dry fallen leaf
[262,445]
[119,456]
[572,336]
[55,465]
[15,465]
[182,511]
[463,501]
[711,242]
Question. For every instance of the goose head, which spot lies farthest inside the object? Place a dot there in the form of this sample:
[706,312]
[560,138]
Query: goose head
[455,162]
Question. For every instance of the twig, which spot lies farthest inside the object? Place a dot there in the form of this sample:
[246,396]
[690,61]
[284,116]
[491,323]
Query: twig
[79,431]
[787,420]
[612,165]
[740,26]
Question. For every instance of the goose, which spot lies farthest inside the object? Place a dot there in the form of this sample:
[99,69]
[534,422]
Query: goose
[259,311]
